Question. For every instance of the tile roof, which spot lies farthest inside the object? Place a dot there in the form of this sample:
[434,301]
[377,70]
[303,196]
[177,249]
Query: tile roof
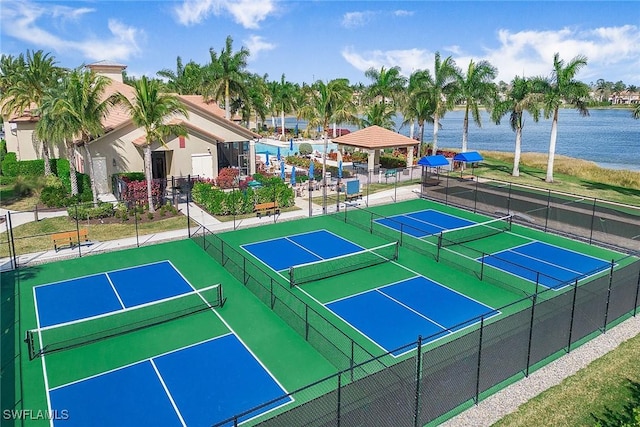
[375,137]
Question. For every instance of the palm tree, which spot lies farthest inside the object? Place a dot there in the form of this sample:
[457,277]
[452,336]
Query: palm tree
[327,102]
[37,74]
[440,89]
[185,80]
[284,100]
[475,88]
[58,126]
[226,75]
[150,110]
[83,108]
[519,98]
[378,115]
[417,107]
[562,88]
[387,84]
[636,112]
[257,95]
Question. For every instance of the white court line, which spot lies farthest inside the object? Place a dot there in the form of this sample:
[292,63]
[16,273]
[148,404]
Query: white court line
[412,310]
[44,365]
[546,262]
[114,290]
[166,390]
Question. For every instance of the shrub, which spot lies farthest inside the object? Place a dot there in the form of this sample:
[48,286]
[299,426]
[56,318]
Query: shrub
[3,151]
[227,177]
[88,211]
[135,193]
[392,162]
[10,165]
[55,197]
[305,149]
[132,176]
[22,187]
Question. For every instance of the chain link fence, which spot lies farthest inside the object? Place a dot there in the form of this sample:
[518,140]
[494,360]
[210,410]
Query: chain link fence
[432,380]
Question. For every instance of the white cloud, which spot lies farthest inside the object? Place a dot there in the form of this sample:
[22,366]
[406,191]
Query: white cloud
[257,44]
[401,12]
[26,21]
[529,53]
[357,19]
[248,13]
[409,60]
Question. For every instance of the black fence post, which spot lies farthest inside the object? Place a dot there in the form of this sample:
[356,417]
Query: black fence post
[135,220]
[635,305]
[593,217]
[475,198]
[534,299]
[78,232]
[416,414]
[573,312]
[477,397]
[606,309]
[546,220]
[306,322]
[188,217]
[339,399]
[12,240]
[509,200]
[273,298]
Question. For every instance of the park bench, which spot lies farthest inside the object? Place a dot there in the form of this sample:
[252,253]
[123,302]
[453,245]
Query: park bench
[69,238]
[266,209]
[389,173]
[352,196]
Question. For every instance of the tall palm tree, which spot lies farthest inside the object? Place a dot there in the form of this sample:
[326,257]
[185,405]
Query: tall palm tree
[83,108]
[185,80]
[37,74]
[151,110]
[58,126]
[284,100]
[327,102]
[476,87]
[636,112]
[257,97]
[417,106]
[379,114]
[440,89]
[519,98]
[559,89]
[387,84]
[226,75]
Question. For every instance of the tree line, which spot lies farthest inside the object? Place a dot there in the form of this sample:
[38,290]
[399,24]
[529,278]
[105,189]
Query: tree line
[69,103]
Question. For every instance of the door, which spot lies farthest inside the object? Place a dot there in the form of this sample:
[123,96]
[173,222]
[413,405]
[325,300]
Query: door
[158,165]
[100,174]
[202,165]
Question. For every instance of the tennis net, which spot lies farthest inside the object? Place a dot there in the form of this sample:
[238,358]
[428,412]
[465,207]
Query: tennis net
[322,269]
[473,232]
[80,332]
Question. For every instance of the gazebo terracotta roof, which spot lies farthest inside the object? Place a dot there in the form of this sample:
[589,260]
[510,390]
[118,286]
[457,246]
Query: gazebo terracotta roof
[375,137]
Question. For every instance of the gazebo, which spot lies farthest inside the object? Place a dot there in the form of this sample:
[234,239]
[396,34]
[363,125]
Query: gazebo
[375,138]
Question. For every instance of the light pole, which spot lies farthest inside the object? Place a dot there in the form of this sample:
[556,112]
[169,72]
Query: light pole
[324,174]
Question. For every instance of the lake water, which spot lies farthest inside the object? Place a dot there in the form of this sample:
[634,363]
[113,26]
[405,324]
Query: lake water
[609,137]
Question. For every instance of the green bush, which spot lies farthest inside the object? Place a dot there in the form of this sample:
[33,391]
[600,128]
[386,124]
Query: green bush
[87,211]
[10,165]
[84,182]
[22,187]
[392,162]
[7,180]
[56,197]
[3,151]
[132,176]
[305,149]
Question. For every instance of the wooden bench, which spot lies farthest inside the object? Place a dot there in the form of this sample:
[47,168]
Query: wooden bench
[266,208]
[69,238]
[353,196]
[390,173]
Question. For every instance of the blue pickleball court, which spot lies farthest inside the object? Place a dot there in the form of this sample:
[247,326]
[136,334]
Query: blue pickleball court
[423,223]
[396,314]
[284,252]
[551,266]
[98,294]
[198,385]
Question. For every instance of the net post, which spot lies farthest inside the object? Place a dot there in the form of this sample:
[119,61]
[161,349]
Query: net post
[534,298]
[396,253]
[438,247]
[482,266]
[371,223]
[28,338]
[221,297]
[273,298]
[546,220]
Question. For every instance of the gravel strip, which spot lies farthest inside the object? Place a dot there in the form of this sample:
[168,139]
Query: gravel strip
[496,406]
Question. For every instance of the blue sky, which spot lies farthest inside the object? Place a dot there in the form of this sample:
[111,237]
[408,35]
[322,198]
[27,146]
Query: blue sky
[311,40]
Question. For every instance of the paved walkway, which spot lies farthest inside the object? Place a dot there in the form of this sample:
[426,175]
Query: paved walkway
[199,216]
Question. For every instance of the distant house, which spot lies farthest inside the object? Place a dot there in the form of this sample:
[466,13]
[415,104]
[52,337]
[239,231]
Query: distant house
[213,142]
[625,97]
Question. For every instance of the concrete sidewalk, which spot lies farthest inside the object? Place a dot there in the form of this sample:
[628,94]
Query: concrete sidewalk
[199,218]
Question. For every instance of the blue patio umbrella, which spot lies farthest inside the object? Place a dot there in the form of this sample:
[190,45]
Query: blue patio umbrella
[278,155]
[291,144]
[282,170]
[340,169]
[266,158]
[311,170]
[293,175]
[295,131]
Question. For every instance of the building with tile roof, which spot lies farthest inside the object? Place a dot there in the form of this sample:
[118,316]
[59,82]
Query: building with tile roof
[212,143]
